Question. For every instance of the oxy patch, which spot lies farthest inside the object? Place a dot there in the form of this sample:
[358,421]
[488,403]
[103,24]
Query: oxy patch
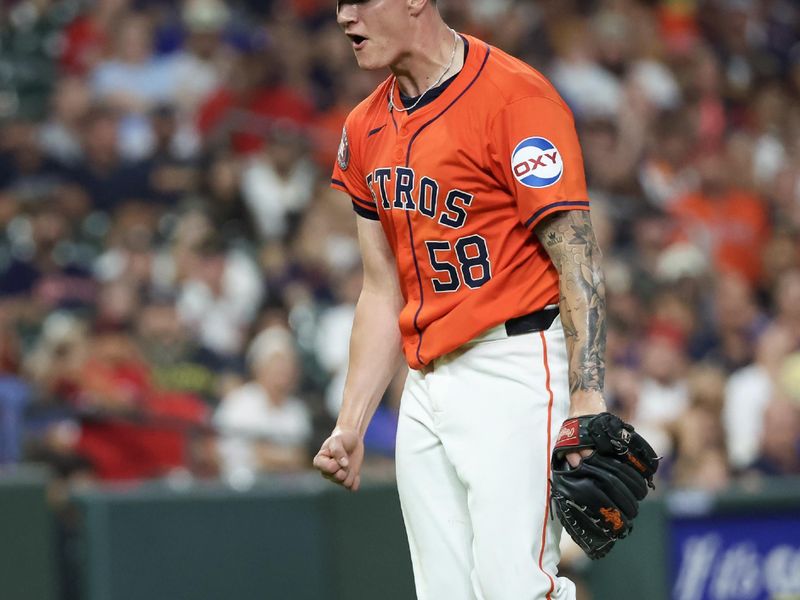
[537,163]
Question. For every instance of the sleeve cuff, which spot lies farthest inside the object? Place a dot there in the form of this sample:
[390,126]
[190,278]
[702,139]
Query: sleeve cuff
[339,185]
[555,207]
[372,215]
[364,208]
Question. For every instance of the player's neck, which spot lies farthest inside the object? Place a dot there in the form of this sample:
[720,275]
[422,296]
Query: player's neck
[430,53]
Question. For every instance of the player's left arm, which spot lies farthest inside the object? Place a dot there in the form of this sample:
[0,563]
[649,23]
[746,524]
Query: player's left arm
[570,242]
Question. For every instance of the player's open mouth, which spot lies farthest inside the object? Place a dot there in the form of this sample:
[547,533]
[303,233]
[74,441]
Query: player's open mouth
[358,40]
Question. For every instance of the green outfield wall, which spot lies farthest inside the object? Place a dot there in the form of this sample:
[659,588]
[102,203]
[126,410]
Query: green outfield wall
[294,539]
[28,568]
[303,539]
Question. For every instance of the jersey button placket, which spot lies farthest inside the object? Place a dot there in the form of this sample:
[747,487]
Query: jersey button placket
[401,155]
[401,146]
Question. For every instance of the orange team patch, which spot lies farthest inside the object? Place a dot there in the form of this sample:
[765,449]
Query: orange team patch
[612,517]
[636,462]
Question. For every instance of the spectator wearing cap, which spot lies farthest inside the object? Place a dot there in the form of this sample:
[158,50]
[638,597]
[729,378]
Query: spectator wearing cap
[779,451]
[106,177]
[278,184]
[700,458]
[170,162]
[179,363]
[199,67]
[130,249]
[729,336]
[54,368]
[25,169]
[55,363]
[133,81]
[769,140]
[202,63]
[60,135]
[663,393]
[747,395]
[263,426]
[221,295]
[589,88]
[666,172]
[41,275]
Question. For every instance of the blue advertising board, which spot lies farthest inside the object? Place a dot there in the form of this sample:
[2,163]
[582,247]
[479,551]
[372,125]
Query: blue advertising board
[736,557]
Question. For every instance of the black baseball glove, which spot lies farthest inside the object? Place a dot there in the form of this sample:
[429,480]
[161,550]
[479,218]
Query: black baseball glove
[597,501]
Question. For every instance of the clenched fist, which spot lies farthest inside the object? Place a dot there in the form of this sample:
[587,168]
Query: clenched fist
[340,457]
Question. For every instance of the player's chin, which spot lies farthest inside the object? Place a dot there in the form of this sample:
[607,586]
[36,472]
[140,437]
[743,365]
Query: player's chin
[370,61]
[366,64]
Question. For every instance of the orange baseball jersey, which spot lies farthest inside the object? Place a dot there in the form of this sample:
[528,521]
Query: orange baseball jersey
[458,186]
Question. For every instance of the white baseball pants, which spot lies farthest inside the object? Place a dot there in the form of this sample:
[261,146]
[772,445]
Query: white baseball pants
[473,457]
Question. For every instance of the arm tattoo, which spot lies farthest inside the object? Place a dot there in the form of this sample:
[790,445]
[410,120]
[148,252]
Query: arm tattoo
[569,240]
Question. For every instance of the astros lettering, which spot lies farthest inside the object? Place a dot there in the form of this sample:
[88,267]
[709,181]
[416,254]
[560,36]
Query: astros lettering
[423,197]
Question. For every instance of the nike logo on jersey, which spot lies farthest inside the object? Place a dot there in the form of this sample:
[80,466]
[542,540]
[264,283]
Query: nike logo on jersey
[401,189]
[376,130]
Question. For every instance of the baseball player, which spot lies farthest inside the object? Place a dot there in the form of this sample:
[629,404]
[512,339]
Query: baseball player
[480,264]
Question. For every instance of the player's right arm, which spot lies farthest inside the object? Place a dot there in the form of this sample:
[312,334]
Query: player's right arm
[375,349]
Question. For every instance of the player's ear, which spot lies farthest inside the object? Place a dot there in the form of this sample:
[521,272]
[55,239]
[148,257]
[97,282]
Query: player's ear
[415,7]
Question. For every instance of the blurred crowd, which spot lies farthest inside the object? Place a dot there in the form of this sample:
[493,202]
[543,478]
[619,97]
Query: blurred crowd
[178,282]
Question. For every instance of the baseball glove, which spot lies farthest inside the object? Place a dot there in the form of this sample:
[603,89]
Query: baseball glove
[597,501]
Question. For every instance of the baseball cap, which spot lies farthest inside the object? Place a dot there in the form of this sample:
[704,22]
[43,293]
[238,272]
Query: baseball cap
[205,15]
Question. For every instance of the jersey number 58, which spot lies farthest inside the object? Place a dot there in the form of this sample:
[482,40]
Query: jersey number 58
[474,267]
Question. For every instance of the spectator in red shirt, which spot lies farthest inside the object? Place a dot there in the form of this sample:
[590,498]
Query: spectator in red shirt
[87,37]
[728,224]
[251,103]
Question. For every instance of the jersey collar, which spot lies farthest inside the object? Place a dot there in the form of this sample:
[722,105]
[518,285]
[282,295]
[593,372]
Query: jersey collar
[460,82]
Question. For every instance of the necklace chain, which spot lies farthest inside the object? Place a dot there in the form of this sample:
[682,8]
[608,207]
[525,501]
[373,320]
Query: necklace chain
[433,85]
